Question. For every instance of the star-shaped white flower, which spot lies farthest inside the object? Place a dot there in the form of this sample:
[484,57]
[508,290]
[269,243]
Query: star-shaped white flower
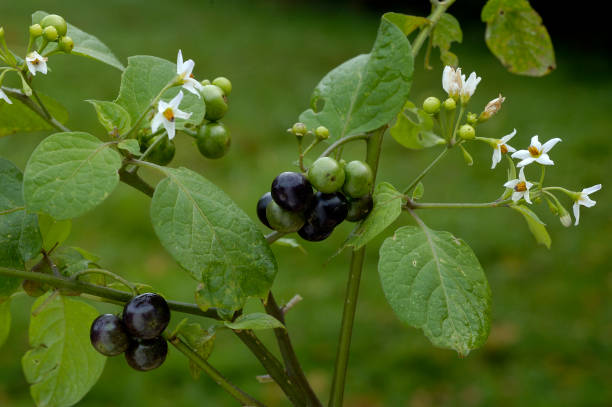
[469,87]
[520,186]
[166,115]
[4,97]
[536,152]
[184,69]
[452,81]
[36,63]
[584,200]
[502,148]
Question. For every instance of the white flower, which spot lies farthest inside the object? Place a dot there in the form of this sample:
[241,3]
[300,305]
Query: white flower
[584,200]
[166,115]
[469,87]
[502,148]
[36,63]
[520,186]
[536,152]
[183,69]
[452,81]
[4,97]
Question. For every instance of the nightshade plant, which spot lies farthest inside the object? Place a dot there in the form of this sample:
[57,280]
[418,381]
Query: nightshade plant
[432,279]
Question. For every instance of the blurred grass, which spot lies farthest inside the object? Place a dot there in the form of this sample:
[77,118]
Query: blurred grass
[552,319]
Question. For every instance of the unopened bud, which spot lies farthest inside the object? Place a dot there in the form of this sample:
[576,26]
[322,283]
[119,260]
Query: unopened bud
[322,133]
[50,33]
[299,129]
[431,105]
[36,30]
[450,104]
[491,108]
[472,118]
[467,132]
[66,44]
[205,82]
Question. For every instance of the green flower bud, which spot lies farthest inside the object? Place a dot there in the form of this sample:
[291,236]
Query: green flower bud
[66,44]
[299,129]
[224,84]
[36,30]
[322,133]
[431,105]
[58,22]
[450,104]
[472,118]
[50,33]
[467,132]
[205,82]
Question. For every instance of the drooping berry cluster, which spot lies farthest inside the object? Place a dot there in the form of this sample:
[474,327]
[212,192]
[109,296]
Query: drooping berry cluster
[137,333]
[342,192]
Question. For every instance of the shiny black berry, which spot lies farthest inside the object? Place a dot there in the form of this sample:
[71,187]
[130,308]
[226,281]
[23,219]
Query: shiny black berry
[314,234]
[359,208]
[262,204]
[146,316]
[292,191]
[147,354]
[108,335]
[327,210]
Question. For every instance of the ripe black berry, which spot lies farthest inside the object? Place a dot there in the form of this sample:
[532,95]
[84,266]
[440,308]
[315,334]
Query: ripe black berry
[359,208]
[313,234]
[291,191]
[108,335]
[327,210]
[262,204]
[146,355]
[146,316]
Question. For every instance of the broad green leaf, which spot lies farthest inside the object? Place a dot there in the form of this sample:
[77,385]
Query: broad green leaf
[433,281]
[212,238]
[142,81]
[18,118]
[53,232]
[85,44]
[130,145]
[414,128]
[445,32]
[5,319]
[516,36]
[255,321]
[62,365]
[69,174]
[387,208]
[113,117]
[365,92]
[405,22]
[536,226]
[201,340]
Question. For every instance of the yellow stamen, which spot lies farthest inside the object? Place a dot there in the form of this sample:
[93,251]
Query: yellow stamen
[169,114]
[36,61]
[503,149]
[534,151]
[521,187]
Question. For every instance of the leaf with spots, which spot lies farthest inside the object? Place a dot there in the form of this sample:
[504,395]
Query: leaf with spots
[445,32]
[414,128]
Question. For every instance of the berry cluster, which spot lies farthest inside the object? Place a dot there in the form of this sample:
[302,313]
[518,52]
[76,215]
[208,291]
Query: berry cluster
[137,333]
[343,193]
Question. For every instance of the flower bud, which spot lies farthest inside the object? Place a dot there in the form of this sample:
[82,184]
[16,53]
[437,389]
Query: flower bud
[55,21]
[491,108]
[35,30]
[205,82]
[299,129]
[450,104]
[472,118]
[224,84]
[431,105]
[66,44]
[467,132]
[50,33]
[322,132]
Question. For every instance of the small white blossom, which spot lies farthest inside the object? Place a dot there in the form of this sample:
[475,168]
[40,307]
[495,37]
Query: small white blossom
[469,87]
[166,115]
[452,81]
[36,63]
[184,69]
[584,200]
[4,97]
[520,186]
[536,152]
[502,148]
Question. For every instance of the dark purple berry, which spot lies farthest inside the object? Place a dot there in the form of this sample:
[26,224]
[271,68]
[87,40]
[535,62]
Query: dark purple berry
[359,208]
[313,234]
[108,335]
[262,204]
[147,354]
[291,191]
[146,316]
[327,210]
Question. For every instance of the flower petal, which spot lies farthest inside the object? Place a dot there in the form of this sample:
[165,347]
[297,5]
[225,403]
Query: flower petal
[522,174]
[189,86]
[5,98]
[511,183]
[170,128]
[525,162]
[187,68]
[516,196]
[447,75]
[576,208]
[586,201]
[179,114]
[536,143]
[544,159]
[507,137]
[550,144]
[179,62]
[496,157]
[176,101]
[526,196]
[521,154]
[510,148]
[592,189]
[156,122]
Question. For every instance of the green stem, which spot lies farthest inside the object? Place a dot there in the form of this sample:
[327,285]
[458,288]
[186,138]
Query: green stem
[151,147]
[433,18]
[244,398]
[343,141]
[410,204]
[274,236]
[133,179]
[112,275]
[17,94]
[542,176]
[454,135]
[151,106]
[426,170]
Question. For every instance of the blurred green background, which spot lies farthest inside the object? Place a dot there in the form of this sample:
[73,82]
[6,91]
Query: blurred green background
[550,342]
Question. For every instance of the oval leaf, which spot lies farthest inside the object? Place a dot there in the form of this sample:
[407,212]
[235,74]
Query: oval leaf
[433,281]
[69,174]
[256,320]
[414,128]
[536,226]
[114,118]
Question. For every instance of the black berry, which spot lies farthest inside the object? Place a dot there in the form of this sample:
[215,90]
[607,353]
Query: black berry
[147,354]
[108,335]
[146,316]
[327,210]
[313,234]
[262,204]
[359,208]
[291,191]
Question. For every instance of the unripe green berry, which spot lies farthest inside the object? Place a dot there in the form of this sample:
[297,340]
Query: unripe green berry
[359,179]
[205,82]
[36,30]
[450,104]
[216,103]
[58,22]
[326,175]
[213,140]
[50,33]
[472,118]
[467,132]
[322,133]
[431,105]
[66,44]
[299,129]
[224,84]
[283,220]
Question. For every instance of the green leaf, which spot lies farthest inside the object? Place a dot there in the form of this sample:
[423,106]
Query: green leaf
[54,232]
[18,118]
[433,281]
[201,340]
[131,146]
[5,319]
[113,117]
[418,191]
[365,92]
[536,226]
[405,22]
[445,32]
[70,261]
[69,174]
[142,81]
[255,321]
[387,208]
[85,44]
[62,365]
[212,238]
[516,36]
[467,157]
[413,128]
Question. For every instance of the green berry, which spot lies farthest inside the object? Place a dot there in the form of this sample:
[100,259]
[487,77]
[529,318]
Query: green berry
[162,153]
[224,84]
[55,21]
[50,33]
[326,175]
[216,103]
[36,30]
[431,105]
[359,179]
[359,208]
[450,104]
[283,220]
[205,82]
[66,44]
[322,133]
[213,140]
[299,129]
[467,132]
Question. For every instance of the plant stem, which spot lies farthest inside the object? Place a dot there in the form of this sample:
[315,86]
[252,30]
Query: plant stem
[17,94]
[244,398]
[112,275]
[433,18]
[273,236]
[426,170]
[343,141]
[133,179]
[410,204]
